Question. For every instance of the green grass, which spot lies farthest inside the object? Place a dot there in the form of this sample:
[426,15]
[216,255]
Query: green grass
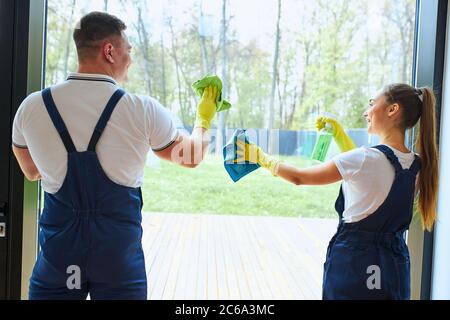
[208,189]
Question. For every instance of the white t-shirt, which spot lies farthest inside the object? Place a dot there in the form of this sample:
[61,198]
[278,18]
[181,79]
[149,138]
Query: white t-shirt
[367,179]
[137,124]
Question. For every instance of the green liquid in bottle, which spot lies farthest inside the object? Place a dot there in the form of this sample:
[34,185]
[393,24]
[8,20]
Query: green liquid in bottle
[322,145]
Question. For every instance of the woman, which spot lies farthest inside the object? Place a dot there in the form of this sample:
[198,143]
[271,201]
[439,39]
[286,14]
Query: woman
[368,258]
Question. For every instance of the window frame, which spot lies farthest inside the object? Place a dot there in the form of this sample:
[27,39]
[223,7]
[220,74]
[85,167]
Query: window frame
[428,68]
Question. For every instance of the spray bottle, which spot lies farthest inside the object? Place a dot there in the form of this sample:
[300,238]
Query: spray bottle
[324,139]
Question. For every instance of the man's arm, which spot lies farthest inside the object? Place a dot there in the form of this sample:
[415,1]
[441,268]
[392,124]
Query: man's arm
[26,163]
[189,151]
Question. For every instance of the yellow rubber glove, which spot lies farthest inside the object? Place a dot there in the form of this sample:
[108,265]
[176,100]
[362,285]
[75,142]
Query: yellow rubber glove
[250,152]
[206,108]
[343,141]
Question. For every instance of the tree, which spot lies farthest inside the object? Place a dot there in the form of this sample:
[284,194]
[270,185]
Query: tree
[143,37]
[163,72]
[206,37]
[331,71]
[59,46]
[69,37]
[250,75]
[326,59]
[274,79]
[401,15]
[221,119]
[186,57]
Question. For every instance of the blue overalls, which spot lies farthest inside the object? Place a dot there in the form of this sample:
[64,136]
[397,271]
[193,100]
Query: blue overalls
[91,225]
[369,259]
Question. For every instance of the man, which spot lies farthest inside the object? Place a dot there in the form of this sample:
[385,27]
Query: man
[87,140]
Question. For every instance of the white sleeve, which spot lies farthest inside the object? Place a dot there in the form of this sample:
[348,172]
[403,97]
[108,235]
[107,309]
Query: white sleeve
[350,163]
[17,132]
[162,129]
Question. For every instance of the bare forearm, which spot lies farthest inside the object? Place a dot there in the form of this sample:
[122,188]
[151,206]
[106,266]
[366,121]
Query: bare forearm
[34,177]
[31,173]
[289,173]
[26,163]
[200,139]
[189,151]
[317,175]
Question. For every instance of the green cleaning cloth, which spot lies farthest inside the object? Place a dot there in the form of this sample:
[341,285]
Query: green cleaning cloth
[213,80]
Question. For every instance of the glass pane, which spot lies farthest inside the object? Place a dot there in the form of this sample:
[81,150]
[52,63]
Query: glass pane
[283,63]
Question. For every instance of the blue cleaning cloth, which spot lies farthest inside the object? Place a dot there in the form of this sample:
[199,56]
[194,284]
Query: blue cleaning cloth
[237,170]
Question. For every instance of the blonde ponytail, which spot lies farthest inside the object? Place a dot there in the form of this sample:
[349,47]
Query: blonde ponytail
[420,104]
[427,149]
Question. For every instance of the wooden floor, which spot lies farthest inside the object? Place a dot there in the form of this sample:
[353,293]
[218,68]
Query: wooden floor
[192,256]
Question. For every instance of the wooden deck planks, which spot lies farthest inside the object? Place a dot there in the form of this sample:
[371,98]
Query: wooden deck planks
[194,256]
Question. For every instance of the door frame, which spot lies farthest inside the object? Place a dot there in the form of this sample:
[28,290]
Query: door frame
[32,190]
[428,70]
[22,70]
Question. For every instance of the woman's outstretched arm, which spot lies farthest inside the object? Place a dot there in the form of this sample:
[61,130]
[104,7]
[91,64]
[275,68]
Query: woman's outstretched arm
[321,174]
[325,173]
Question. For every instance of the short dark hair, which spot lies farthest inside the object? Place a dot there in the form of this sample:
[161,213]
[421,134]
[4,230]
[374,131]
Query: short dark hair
[93,28]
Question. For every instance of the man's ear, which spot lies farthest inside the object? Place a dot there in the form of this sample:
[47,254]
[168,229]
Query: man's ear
[108,50]
[393,109]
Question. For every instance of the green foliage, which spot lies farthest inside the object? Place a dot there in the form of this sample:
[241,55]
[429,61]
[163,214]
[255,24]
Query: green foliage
[208,189]
[332,59]
[251,84]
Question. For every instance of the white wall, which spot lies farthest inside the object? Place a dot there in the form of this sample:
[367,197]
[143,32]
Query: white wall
[441,260]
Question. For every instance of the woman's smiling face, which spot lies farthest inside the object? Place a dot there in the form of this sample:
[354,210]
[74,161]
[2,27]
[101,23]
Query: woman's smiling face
[376,115]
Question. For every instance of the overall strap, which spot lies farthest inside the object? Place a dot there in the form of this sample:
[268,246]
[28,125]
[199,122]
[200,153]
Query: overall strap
[57,120]
[106,114]
[416,165]
[391,157]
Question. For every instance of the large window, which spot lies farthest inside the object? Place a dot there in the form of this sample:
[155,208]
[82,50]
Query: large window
[283,63]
